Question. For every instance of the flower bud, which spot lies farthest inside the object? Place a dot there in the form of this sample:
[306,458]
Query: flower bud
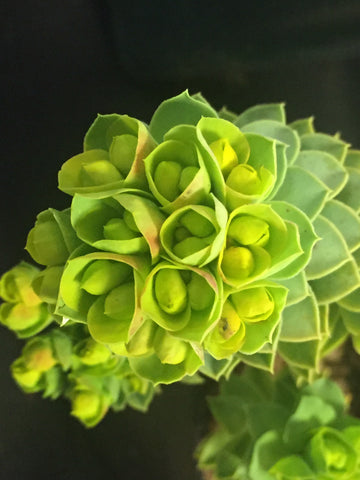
[170,291]
[26,378]
[169,349]
[101,276]
[15,285]
[38,355]
[91,352]
[167,178]
[238,263]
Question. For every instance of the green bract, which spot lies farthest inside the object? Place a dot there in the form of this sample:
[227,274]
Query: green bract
[125,223]
[23,311]
[114,149]
[102,290]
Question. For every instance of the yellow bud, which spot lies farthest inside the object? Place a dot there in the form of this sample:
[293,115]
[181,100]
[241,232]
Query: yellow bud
[248,230]
[101,276]
[167,178]
[229,322]
[225,155]
[170,291]
[244,179]
[237,263]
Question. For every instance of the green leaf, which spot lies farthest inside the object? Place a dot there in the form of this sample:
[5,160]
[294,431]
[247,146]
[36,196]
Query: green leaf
[351,321]
[227,114]
[350,193]
[331,251]
[302,354]
[337,332]
[266,111]
[303,126]
[352,158]
[105,127]
[307,328]
[279,132]
[352,301]
[329,392]
[292,468]
[182,109]
[325,143]
[311,412]
[216,369]
[337,284]
[229,412]
[308,236]
[292,191]
[325,167]
[345,220]
[297,287]
[268,450]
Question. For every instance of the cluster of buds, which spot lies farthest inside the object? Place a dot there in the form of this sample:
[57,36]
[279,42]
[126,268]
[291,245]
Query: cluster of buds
[68,362]
[200,241]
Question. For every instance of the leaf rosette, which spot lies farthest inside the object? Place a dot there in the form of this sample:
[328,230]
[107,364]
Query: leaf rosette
[259,244]
[114,149]
[125,223]
[102,290]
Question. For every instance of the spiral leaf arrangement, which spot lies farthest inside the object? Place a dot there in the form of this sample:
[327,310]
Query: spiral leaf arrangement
[269,430]
[200,241]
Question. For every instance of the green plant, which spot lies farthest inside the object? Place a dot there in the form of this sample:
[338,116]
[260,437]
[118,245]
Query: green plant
[194,244]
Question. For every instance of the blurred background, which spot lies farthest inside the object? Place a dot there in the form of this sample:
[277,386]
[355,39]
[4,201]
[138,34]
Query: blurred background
[62,62]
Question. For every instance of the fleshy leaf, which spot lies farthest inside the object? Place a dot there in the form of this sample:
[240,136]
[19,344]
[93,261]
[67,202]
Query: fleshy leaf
[182,109]
[325,167]
[336,284]
[300,322]
[345,220]
[325,143]
[292,191]
[266,111]
[322,263]
[277,131]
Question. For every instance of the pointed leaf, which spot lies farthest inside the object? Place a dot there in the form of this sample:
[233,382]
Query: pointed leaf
[182,109]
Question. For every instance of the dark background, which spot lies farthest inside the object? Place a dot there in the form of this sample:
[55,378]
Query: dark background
[62,62]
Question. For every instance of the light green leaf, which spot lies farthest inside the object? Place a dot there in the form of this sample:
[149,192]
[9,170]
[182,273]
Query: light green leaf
[279,132]
[325,143]
[350,193]
[338,284]
[325,167]
[312,200]
[182,109]
[297,287]
[303,126]
[301,322]
[331,251]
[345,220]
[266,111]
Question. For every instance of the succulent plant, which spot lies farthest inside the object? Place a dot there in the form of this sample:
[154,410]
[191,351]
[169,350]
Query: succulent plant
[200,241]
[269,430]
